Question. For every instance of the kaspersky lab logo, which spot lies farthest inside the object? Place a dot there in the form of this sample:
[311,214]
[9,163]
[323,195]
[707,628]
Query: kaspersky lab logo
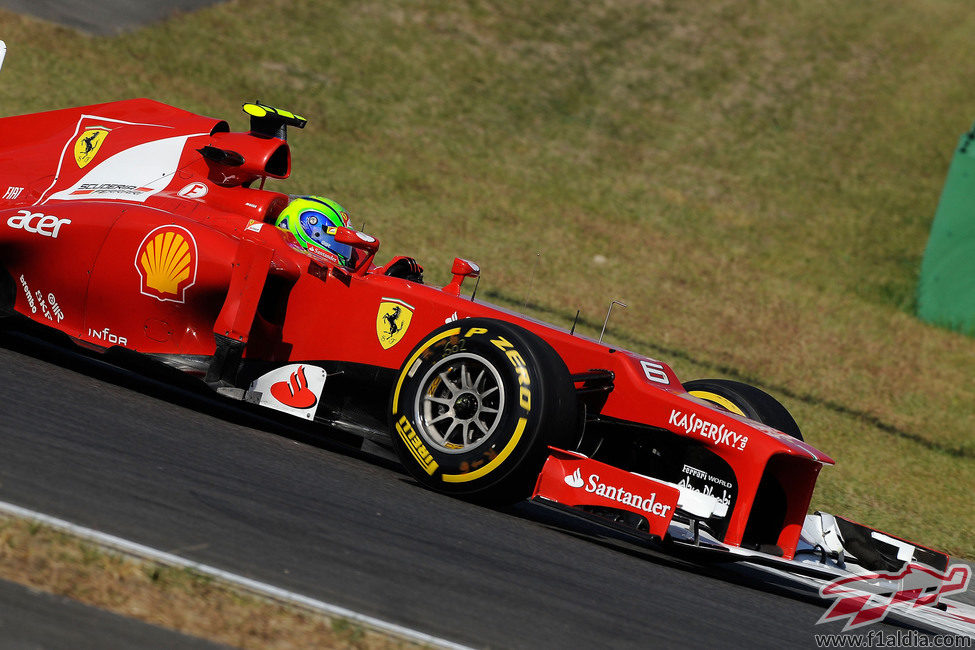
[862,600]
[166,262]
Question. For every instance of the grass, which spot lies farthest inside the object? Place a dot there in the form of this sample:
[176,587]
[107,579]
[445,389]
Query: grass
[760,178]
[180,599]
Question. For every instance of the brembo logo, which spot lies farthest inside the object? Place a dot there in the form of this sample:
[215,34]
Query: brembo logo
[166,262]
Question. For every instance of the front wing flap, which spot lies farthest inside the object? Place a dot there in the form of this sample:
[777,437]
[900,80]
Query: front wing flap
[667,516]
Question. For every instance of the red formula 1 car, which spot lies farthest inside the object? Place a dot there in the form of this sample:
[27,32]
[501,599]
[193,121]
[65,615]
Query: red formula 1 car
[141,227]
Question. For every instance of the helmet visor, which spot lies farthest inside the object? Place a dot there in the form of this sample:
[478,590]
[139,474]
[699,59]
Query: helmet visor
[316,226]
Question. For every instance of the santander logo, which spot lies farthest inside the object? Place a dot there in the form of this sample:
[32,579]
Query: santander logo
[648,504]
[294,392]
[574,479]
[295,389]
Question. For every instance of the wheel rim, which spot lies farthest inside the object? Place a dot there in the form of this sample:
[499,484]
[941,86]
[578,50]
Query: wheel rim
[460,403]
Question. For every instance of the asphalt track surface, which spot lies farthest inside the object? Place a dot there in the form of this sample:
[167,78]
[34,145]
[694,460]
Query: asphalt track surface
[184,473]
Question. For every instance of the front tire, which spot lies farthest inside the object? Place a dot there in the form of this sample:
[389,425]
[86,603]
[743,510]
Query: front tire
[745,400]
[476,405]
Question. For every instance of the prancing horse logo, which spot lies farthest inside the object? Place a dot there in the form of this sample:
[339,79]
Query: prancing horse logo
[392,321]
[87,145]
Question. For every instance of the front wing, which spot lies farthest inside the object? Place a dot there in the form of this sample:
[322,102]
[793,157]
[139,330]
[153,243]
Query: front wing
[909,589]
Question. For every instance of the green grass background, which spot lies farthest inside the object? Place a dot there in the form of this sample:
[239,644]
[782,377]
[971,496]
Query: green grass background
[756,179]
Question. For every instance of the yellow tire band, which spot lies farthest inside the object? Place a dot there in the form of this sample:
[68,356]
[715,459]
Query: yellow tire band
[428,464]
[429,468]
[412,360]
[478,473]
[719,400]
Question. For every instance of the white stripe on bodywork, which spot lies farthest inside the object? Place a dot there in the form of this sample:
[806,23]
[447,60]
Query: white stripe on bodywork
[147,168]
[259,588]
[74,137]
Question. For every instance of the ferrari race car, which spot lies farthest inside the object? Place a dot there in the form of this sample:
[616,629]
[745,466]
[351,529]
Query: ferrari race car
[142,229]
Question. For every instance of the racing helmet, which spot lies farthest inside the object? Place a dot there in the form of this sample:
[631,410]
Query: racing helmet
[309,219]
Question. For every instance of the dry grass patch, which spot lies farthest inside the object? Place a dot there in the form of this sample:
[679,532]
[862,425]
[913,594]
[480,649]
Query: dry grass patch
[180,599]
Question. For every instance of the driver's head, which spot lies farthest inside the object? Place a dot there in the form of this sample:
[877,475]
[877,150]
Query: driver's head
[309,219]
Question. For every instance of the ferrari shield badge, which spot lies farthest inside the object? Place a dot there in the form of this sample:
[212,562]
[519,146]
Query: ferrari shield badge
[392,321]
[87,145]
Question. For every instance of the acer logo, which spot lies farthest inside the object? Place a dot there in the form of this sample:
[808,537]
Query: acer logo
[45,225]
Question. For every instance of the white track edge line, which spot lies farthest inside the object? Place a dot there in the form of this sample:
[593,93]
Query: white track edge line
[254,586]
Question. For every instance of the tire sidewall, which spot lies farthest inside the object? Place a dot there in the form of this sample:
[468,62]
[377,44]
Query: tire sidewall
[755,403]
[514,355]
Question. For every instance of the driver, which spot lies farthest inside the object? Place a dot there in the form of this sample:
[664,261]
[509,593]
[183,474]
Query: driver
[309,219]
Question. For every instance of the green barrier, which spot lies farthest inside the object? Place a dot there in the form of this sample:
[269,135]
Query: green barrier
[946,291]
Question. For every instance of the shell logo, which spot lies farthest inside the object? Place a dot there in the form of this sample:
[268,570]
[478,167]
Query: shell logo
[166,262]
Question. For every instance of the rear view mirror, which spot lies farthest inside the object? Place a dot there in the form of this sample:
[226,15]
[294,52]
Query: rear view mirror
[359,241]
[461,269]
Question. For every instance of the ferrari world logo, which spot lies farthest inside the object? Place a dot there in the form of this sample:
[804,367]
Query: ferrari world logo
[392,321]
[87,145]
[166,262]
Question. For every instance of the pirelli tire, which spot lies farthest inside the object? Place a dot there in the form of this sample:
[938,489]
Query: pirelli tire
[475,406]
[746,400]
